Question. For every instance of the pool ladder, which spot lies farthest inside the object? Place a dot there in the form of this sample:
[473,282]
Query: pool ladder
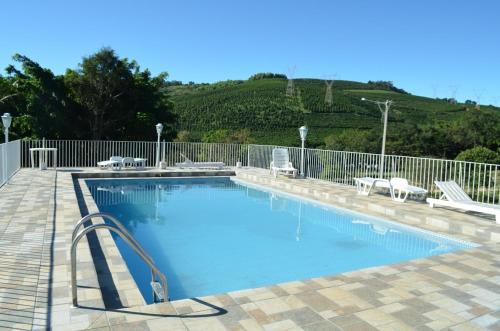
[158,279]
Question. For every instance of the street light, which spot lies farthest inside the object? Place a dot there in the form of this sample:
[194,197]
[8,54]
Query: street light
[6,120]
[303,135]
[159,128]
[385,111]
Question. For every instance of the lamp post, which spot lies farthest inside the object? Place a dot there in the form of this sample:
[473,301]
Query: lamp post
[6,121]
[303,135]
[159,128]
[385,111]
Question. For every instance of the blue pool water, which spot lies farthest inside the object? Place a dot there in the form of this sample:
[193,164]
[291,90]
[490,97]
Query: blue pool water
[214,235]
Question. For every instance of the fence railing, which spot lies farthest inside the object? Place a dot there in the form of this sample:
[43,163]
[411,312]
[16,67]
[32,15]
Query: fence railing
[479,180]
[230,154]
[86,153]
[10,160]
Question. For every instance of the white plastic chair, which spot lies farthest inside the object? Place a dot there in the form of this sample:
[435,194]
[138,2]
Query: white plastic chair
[281,163]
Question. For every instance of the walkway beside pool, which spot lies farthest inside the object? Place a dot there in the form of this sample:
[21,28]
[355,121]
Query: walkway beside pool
[455,291]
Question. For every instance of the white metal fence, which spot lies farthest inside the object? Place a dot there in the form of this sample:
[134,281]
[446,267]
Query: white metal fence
[230,154]
[10,160]
[86,153]
[479,180]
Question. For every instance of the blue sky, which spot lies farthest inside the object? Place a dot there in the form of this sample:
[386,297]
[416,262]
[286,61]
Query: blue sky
[426,47]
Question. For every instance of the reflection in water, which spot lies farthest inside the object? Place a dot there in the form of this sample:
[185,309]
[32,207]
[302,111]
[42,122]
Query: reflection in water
[297,233]
[109,193]
[385,235]
[151,194]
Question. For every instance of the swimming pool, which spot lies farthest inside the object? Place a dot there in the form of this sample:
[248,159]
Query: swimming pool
[215,235]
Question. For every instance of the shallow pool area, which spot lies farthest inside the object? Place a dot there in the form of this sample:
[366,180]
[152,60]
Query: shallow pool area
[215,235]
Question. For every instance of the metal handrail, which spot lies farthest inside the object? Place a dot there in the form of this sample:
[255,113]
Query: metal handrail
[132,243]
[113,220]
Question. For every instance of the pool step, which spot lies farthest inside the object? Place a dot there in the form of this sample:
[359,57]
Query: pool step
[158,291]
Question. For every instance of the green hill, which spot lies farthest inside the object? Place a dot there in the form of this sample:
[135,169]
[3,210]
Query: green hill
[263,107]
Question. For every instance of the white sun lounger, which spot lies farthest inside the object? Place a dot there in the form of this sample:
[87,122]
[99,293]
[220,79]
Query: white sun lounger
[114,162]
[281,163]
[401,189]
[117,162]
[138,163]
[453,196]
[398,187]
[206,165]
[364,185]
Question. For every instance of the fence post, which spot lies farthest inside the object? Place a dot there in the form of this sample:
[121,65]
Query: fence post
[4,163]
[248,155]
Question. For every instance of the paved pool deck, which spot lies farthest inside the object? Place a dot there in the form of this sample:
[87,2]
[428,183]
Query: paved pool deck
[38,210]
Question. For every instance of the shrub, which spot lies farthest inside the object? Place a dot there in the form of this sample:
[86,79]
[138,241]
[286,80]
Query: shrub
[242,136]
[352,140]
[184,136]
[479,154]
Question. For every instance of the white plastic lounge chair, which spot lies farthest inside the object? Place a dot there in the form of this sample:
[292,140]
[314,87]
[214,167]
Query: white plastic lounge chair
[114,162]
[401,189]
[140,163]
[457,198]
[207,165]
[364,185]
[129,162]
[281,163]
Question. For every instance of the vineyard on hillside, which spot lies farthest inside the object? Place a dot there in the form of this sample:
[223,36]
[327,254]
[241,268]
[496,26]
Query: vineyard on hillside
[272,116]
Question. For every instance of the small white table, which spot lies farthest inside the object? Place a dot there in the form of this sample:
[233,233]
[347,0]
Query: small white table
[42,152]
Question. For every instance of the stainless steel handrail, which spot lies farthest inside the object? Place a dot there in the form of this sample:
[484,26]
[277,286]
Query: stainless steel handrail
[113,220]
[132,243]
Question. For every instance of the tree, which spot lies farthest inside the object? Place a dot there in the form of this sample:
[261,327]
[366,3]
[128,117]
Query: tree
[99,85]
[184,136]
[117,99]
[41,105]
[105,98]
[352,140]
[264,75]
[480,128]
[385,85]
[216,136]
[242,136]
[479,154]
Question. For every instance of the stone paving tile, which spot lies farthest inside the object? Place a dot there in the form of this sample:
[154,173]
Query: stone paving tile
[456,291]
